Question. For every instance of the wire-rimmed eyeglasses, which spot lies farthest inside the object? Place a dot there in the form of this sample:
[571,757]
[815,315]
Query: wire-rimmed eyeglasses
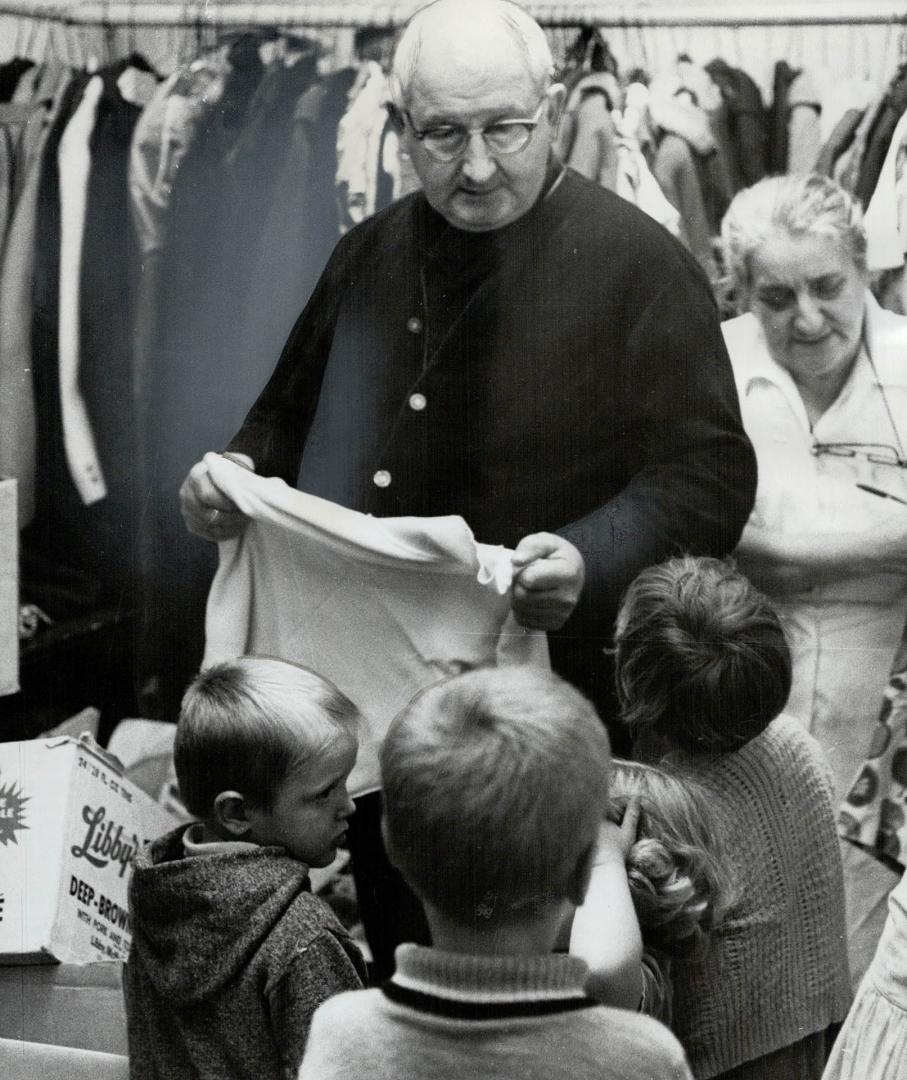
[446,142]
[875,453]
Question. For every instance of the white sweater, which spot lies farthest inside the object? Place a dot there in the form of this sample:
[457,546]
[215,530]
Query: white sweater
[380,606]
[448,1015]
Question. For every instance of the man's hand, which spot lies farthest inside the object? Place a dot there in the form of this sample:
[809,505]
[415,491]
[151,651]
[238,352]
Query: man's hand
[548,575]
[208,513]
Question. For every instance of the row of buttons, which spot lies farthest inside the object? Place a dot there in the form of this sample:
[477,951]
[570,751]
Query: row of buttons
[417,403]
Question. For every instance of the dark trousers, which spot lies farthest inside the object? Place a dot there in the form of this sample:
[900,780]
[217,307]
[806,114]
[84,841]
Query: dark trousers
[390,911]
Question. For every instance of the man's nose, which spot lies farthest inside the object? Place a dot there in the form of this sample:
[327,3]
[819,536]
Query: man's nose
[477,164]
[347,808]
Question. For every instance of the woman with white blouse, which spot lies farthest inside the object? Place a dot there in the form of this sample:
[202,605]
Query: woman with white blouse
[821,373]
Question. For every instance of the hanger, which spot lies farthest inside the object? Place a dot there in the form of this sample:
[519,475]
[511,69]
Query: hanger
[590,51]
[141,63]
[199,29]
[77,39]
[182,39]
[300,41]
[62,32]
[22,26]
[95,60]
[109,34]
[297,49]
[30,40]
[132,37]
[374,43]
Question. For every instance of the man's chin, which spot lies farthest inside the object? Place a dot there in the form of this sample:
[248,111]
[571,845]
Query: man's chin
[479,213]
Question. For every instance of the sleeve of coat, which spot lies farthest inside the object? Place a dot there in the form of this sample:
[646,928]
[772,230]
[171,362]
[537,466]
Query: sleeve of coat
[275,430]
[804,137]
[695,486]
[328,965]
[674,168]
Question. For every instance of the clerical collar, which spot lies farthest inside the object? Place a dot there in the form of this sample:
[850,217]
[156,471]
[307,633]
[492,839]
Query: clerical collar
[444,239]
[560,171]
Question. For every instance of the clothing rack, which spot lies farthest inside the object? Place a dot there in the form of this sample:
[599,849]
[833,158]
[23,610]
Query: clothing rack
[331,13]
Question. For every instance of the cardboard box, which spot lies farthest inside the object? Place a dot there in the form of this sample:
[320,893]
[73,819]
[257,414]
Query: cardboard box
[9,589]
[76,1005]
[34,1061]
[70,825]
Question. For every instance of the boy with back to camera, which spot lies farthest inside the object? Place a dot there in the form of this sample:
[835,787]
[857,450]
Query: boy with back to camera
[703,674]
[231,952]
[495,786]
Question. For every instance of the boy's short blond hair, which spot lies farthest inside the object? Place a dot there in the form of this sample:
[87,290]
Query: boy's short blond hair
[240,725]
[496,783]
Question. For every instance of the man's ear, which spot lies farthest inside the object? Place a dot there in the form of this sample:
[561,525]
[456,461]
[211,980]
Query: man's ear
[557,98]
[396,118]
[230,814]
[578,882]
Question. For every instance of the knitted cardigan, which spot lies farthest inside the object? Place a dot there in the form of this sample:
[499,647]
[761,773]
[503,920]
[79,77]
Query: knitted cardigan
[777,970]
[511,1017]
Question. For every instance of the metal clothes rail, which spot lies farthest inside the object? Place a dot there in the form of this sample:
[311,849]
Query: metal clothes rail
[354,13]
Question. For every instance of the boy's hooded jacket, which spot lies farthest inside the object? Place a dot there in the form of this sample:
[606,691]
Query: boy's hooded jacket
[231,955]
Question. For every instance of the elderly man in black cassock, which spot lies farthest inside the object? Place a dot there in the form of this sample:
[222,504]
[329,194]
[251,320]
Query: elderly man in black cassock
[513,344]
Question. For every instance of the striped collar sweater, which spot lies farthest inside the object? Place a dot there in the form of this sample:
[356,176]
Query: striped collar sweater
[449,1015]
[777,970]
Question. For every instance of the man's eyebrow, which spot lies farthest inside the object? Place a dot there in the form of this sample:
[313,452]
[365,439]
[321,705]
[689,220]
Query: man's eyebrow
[442,119]
[440,122]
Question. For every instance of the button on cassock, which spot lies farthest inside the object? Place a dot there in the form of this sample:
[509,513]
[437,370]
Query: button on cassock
[414,325]
[417,402]
[382,478]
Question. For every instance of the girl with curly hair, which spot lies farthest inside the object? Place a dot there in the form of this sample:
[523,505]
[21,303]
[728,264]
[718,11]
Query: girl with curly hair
[677,881]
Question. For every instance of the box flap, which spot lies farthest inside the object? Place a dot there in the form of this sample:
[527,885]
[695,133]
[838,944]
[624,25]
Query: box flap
[89,743]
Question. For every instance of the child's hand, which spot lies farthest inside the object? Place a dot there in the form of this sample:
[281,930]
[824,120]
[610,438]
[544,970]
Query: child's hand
[615,841]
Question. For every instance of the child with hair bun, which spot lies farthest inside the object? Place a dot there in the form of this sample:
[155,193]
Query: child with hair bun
[678,883]
[703,673]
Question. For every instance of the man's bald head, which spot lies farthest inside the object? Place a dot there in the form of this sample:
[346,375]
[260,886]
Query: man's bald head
[477,35]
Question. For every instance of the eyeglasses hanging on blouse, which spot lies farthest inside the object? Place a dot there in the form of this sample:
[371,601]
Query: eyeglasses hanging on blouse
[872,452]
[875,453]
